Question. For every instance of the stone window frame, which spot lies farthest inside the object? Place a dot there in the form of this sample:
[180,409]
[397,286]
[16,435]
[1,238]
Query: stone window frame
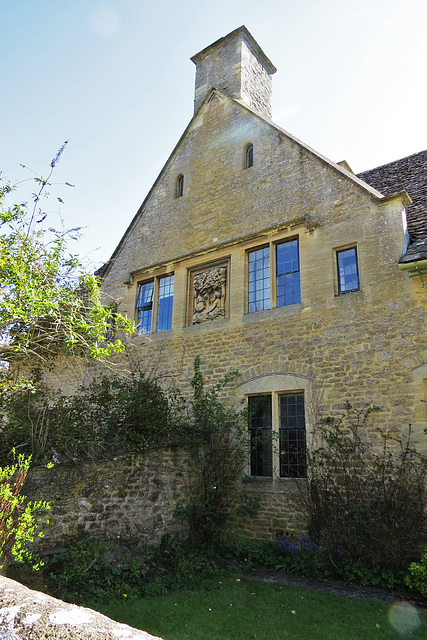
[155,306]
[338,251]
[201,268]
[275,386]
[249,156]
[270,441]
[179,186]
[272,245]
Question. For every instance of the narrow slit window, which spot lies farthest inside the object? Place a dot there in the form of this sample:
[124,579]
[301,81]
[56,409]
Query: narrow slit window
[249,156]
[179,186]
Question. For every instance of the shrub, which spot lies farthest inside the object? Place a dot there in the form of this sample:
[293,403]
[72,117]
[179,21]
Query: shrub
[308,559]
[17,520]
[251,553]
[108,416]
[93,570]
[217,442]
[366,500]
[417,575]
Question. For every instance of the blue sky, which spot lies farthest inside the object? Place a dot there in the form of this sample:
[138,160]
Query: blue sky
[115,79]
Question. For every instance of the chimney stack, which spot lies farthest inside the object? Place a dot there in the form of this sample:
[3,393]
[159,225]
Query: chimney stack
[237,65]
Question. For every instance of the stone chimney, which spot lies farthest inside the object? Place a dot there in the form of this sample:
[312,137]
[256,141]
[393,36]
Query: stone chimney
[236,64]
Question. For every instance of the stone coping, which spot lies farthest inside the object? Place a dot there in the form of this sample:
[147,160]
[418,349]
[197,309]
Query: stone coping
[26,615]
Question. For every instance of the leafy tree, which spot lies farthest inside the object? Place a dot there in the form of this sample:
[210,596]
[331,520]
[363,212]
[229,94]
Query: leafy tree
[48,302]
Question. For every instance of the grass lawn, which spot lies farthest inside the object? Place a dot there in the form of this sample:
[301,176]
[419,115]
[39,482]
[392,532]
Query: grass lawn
[232,609]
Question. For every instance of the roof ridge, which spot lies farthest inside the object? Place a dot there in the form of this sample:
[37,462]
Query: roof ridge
[388,164]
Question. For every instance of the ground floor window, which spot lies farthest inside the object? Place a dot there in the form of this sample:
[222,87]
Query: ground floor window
[260,427]
[292,446]
[277,432]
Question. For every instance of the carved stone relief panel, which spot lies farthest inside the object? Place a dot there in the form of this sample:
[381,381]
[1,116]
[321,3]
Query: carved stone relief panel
[209,294]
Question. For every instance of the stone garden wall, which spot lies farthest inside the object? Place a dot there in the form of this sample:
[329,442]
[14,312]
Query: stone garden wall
[128,498]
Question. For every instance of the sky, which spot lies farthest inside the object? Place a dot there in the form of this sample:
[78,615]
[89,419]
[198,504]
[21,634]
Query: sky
[115,79]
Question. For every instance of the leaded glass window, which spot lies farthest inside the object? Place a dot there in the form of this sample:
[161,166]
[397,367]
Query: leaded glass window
[144,306]
[259,279]
[260,431]
[287,273]
[164,313]
[348,272]
[292,441]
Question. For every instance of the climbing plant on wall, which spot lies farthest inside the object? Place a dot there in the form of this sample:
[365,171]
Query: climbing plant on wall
[217,443]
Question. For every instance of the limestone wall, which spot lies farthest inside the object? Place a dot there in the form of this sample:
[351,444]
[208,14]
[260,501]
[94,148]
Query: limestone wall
[123,498]
[367,346]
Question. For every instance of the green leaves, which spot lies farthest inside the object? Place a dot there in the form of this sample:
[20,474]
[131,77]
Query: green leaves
[17,520]
[48,301]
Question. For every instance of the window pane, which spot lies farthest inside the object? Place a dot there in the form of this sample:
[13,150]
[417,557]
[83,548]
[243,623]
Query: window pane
[179,186]
[259,280]
[144,321]
[348,275]
[145,297]
[288,274]
[144,306]
[249,159]
[260,462]
[292,435]
[164,315]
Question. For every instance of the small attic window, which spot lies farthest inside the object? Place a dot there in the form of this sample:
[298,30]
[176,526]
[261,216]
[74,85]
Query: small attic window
[249,155]
[179,187]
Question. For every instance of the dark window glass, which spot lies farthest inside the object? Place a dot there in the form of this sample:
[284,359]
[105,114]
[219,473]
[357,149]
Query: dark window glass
[287,273]
[144,306]
[348,273]
[260,432]
[179,186]
[292,440]
[164,313]
[259,280]
[249,156]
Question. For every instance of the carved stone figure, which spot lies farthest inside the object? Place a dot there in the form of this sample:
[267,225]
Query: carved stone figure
[209,295]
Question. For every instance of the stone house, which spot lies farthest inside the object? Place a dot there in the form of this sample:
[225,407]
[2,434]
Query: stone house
[259,254]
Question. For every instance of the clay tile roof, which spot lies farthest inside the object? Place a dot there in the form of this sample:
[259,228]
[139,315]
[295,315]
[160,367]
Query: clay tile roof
[409,174]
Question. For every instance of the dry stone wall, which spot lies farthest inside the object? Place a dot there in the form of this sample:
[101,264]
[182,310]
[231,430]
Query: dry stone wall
[129,499]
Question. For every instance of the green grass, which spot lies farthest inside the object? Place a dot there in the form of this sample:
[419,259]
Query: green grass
[233,609]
